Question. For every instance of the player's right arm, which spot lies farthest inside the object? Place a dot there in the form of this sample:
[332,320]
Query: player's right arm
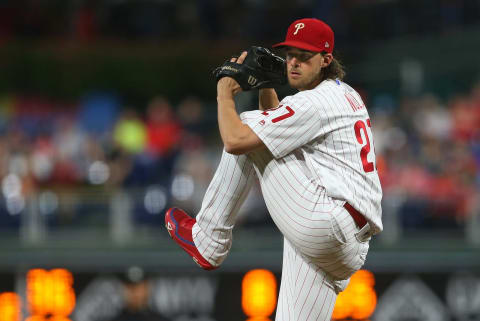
[267,99]
[238,138]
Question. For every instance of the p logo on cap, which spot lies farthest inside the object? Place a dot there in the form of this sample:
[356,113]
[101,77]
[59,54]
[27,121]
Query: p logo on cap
[299,26]
[315,36]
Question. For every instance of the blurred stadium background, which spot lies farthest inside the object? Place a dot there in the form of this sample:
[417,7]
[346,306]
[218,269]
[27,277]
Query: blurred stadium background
[107,118]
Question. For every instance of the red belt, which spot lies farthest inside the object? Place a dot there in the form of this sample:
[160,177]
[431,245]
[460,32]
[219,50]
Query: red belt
[357,216]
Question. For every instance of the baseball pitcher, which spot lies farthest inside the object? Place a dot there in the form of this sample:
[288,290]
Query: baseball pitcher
[314,155]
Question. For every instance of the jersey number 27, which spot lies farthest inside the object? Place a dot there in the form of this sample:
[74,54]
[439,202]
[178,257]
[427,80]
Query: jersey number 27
[366,145]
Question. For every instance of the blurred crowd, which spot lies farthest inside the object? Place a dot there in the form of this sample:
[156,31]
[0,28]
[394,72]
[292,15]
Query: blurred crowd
[428,152]
[429,157]
[164,153]
[99,142]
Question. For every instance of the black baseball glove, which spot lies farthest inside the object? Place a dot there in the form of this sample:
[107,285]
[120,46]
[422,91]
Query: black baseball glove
[260,69]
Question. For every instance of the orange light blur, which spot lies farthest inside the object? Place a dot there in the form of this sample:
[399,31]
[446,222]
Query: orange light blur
[358,300]
[44,318]
[10,307]
[259,294]
[58,318]
[50,293]
[36,318]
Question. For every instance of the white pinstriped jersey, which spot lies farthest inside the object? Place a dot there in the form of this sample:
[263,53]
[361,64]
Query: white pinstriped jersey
[319,138]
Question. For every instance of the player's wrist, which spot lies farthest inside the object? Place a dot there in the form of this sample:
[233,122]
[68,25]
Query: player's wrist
[228,86]
[225,98]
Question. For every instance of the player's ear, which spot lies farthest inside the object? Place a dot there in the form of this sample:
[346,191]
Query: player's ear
[327,59]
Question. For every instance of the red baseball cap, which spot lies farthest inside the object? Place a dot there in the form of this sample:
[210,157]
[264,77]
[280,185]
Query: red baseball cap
[309,34]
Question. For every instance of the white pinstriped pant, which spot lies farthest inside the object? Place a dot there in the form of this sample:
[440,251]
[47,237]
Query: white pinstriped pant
[316,265]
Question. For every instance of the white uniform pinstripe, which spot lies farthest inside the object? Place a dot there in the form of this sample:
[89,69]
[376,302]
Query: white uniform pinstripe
[319,155]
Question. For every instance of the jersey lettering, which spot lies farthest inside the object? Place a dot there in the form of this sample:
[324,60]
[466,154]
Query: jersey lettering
[355,104]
